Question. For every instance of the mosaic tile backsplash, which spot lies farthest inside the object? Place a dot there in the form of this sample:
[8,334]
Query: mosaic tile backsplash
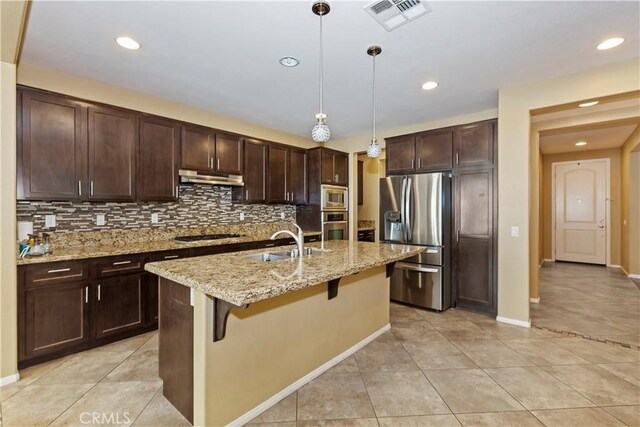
[198,206]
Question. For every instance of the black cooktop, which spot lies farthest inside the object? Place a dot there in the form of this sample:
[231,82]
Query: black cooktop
[189,239]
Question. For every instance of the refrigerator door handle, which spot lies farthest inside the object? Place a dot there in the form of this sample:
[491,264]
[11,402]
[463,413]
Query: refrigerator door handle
[403,217]
[409,211]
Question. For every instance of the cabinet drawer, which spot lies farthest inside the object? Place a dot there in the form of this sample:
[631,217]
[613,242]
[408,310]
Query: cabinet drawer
[167,255]
[119,265]
[50,274]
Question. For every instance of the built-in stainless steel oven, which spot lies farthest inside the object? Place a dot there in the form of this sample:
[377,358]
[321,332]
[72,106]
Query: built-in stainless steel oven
[335,225]
[334,198]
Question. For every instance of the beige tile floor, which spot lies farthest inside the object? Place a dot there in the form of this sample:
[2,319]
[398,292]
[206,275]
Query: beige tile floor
[592,301]
[448,369]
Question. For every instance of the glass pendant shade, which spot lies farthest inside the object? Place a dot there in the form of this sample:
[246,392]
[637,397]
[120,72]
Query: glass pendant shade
[374,149]
[321,132]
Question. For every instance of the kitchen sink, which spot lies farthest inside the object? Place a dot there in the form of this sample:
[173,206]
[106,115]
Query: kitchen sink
[277,256]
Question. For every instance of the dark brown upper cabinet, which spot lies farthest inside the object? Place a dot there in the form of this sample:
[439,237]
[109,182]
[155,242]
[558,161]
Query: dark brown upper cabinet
[434,150]
[159,142]
[228,153]
[474,144]
[297,178]
[205,150]
[112,154]
[401,154]
[325,166]
[360,182]
[255,177]
[52,149]
[197,152]
[277,179]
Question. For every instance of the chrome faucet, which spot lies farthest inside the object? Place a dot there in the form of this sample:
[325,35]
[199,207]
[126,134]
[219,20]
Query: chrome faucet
[299,238]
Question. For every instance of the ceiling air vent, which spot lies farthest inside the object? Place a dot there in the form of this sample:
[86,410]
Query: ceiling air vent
[393,13]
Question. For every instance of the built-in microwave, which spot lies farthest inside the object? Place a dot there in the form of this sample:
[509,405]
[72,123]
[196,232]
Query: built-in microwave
[334,198]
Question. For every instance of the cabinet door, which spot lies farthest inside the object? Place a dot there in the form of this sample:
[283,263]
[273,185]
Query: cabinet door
[52,148]
[228,154]
[158,170]
[277,191]
[341,169]
[360,182]
[474,240]
[56,318]
[474,144]
[327,167]
[434,150]
[255,166]
[119,305]
[400,154]
[297,176]
[112,154]
[197,149]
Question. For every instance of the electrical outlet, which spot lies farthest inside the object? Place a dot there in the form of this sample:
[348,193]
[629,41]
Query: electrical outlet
[515,231]
[49,221]
[154,218]
[241,216]
[100,220]
[282,215]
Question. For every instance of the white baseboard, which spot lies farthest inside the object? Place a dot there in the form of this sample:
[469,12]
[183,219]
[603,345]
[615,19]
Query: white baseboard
[535,300]
[549,260]
[614,266]
[514,322]
[243,419]
[10,379]
[634,276]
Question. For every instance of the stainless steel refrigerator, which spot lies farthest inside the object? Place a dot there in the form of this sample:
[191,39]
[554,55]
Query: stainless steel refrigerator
[416,210]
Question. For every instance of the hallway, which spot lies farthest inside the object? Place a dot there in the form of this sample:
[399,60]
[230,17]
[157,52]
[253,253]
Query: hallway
[589,300]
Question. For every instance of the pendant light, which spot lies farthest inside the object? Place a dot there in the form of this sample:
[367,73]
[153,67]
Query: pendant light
[321,132]
[374,149]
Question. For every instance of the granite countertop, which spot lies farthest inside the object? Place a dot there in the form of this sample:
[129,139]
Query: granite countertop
[238,280]
[122,248]
[366,225]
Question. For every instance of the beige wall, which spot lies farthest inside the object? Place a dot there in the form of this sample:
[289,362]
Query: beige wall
[93,90]
[13,15]
[8,248]
[369,208]
[630,207]
[615,203]
[514,177]
[276,342]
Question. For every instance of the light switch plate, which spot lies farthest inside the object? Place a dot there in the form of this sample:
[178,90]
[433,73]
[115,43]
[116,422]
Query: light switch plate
[282,216]
[100,220]
[515,231]
[241,216]
[154,218]
[49,221]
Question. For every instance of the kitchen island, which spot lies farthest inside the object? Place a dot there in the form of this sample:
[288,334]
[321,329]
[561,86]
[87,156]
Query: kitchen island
[238,334]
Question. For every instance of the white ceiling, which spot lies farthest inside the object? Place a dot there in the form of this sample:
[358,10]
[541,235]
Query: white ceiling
[223,56]
[597,139]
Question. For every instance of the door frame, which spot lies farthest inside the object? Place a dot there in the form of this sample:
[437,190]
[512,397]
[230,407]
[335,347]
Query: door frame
[607,186]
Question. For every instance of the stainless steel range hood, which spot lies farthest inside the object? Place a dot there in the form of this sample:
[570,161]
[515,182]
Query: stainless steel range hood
[194,177]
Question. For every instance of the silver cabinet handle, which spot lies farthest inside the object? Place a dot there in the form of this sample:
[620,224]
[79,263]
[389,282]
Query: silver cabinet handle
[122,262]
[291,197]
[336,178]
[413,163]
[79,188]
[177,191]
[405,266]
[218,164]
[211,163]
[419,162]
[91,188]
[171,256]
[59,270]
[286,196]
[246,194]
[457,235]
[86,294]
[457,159]
[98,292]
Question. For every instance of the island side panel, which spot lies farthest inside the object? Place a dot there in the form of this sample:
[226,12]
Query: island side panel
[176,345]
[276,342]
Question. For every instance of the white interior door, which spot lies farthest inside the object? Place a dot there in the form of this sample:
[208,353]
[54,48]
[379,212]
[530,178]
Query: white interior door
[581,221]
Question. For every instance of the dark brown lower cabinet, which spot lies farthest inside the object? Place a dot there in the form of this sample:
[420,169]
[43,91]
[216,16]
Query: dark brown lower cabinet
[119,305]
[56,318]
[474,272]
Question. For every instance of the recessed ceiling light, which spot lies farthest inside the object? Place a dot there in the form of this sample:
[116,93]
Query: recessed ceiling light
[580,143]
[588,104]
[128,43]
[429,85]
[609,43]
[289,61]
